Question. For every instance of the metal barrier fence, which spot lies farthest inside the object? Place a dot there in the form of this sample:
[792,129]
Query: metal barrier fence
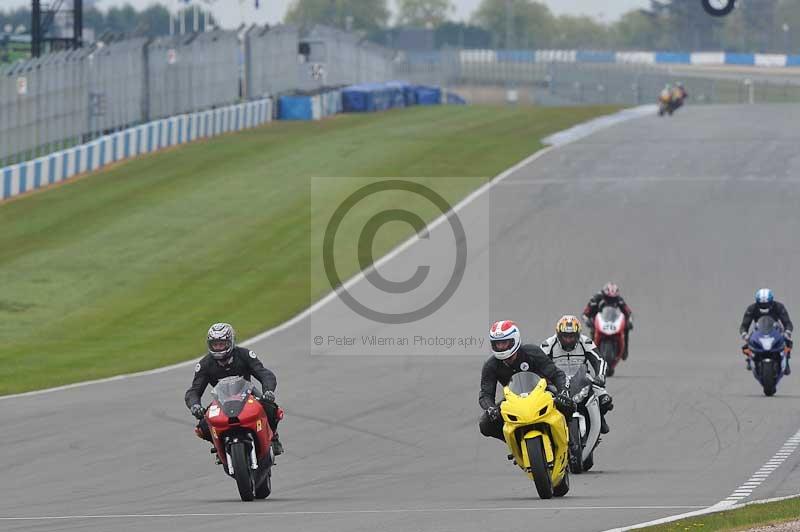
[67,98]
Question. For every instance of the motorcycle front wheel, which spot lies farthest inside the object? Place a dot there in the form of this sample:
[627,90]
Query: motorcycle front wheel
[608,351]
[575,447]
[769,377]
[541,473]
[241,471]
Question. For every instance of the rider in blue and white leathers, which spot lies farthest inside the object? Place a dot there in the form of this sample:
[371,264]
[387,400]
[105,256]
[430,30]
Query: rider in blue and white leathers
[569,349]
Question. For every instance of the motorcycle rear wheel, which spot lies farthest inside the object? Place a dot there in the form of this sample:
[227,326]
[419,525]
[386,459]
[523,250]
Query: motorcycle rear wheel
[541,473]
[563,488]
[589,462]
[264,489]
[241,471]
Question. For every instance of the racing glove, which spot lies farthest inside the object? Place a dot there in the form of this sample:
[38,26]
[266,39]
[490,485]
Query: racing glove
[788,335]
[564,403]
[268,396]
[493,413]
[198,411]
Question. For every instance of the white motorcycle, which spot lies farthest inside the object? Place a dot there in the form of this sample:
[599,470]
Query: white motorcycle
[584,426]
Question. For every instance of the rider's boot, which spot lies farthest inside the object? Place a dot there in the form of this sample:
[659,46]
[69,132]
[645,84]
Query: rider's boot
[277,446]
[604,429]
[787,370]
[749,365]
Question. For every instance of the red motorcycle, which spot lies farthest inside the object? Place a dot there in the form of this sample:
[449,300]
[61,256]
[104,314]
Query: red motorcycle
[609,336]
[242,437]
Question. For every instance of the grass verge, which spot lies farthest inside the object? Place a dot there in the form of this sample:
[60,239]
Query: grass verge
[123,271]
[750,516]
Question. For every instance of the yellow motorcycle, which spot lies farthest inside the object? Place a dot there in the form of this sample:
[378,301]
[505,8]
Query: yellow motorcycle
[536,433]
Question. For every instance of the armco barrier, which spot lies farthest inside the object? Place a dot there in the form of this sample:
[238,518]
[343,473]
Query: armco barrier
[153,136]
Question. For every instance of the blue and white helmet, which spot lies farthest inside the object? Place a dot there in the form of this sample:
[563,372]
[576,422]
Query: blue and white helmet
[764,299]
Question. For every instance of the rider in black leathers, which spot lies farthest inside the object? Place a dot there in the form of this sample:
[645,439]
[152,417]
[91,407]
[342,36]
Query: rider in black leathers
[766,305]
[225,359]
[510,357]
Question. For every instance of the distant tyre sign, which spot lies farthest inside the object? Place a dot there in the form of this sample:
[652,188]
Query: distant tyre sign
[718,8]
[22,86]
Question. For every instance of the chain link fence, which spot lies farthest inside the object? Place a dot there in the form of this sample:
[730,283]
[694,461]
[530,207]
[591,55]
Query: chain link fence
[67,98]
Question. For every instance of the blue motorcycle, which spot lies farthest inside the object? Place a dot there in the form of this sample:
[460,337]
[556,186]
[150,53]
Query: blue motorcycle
[767,350]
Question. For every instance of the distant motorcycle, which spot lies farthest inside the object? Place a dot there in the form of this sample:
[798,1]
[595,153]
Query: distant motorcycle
[609,336]
[767,351]
[584,426]
[242,437]
[668,104]
[718,8]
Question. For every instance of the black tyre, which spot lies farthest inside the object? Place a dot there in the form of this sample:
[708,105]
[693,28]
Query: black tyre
[769,378]
[575,447]
[265,488]
[242,472]
[563,488]
[608,351]
[589,462]
[541,473]
[719,8]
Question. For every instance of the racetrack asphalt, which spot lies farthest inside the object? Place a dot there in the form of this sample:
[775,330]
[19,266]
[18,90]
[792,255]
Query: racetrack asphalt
[689,215]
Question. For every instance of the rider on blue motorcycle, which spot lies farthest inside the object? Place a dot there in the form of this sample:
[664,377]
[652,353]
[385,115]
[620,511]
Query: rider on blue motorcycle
[766,305]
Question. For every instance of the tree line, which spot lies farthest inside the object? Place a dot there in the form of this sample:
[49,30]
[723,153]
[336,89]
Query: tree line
[756,25]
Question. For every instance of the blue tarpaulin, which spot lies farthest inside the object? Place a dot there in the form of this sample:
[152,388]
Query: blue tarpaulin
[295,108]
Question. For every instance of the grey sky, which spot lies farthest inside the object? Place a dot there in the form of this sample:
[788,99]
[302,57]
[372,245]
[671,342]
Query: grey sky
[231,13]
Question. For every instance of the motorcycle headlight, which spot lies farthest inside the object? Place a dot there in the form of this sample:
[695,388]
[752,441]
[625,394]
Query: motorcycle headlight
[581,395]
[766,342]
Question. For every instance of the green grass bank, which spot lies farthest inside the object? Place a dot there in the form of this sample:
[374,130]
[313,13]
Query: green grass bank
[124,270]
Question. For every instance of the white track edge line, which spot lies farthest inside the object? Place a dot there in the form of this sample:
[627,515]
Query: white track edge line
[621,116]
[728,503]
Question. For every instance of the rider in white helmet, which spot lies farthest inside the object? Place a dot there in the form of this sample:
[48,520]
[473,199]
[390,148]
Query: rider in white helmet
[510,356]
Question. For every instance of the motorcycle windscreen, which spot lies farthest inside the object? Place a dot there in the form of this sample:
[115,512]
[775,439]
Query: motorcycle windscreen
[610,314]
[523,382]
[765,324]
[231,393]
[577,381]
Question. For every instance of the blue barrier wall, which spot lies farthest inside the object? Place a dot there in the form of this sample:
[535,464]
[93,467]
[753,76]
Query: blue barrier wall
[740,59]
[586,56]
[295,108]
[642,57]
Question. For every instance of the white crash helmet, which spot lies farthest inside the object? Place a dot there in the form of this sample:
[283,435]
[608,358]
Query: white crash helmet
[500,333]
